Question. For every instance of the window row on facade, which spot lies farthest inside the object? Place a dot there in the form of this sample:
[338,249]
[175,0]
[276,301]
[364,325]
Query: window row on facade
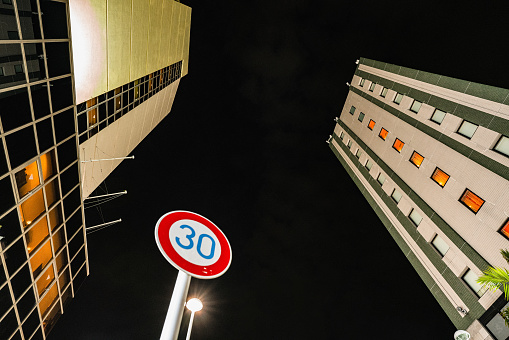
[466,129]
[416,217]
[440,177]
[99,112]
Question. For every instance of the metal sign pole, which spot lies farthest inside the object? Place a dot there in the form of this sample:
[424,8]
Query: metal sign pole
[178,300]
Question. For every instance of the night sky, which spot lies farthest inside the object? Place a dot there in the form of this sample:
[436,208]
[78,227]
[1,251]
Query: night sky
[244,146]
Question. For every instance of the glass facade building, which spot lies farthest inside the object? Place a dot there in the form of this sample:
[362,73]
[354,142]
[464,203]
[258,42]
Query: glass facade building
[42,237]
[43,177]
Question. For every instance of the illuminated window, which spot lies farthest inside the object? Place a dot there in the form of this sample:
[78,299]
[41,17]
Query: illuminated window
[440,177]
[471,200]
[467,129]
[397,98]
[52,193]
[438,116]
[384,92]
[505,229]
[369,164]
[415,217]
[381,179]
[470,279]
[440,245]
[502,146]
[361,117]
[342,135]
[36,234]
[398,145]
[371,124]
[55,217]
[27,179]
[41,258]
[32,208]
[416,105]
[45,280]
[372,87]
[361,82]
[396,196]
[349,145]
[48,300]
[383,133]
[352,110]
[92,113]
[358,154]
[48,165]
[150,76]
[416,159]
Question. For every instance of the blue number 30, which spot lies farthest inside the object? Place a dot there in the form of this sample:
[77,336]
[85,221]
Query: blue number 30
[200,240]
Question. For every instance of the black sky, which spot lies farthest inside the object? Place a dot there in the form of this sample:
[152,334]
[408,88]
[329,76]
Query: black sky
[244,145]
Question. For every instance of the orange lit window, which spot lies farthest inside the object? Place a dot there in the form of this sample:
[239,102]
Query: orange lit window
[36,234]
[92,113]
[48,165]
[45,280]
[398,145]
[41,258]
[27,179]
[383,133]
[52,193]
[150,76]
[440,177]
[32,208]
[371,124]
[48,300]
[118,97]
[471,200]
[416,159]
[505,229]
[55,217]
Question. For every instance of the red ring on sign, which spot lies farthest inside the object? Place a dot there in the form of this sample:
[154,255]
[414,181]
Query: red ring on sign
[163,241]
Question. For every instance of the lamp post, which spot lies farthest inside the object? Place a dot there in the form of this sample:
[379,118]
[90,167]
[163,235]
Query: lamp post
[194,305]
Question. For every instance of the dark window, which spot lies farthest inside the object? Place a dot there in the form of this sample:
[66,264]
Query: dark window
[3,160]
[35,62]
[45,134]
[15,256]
[76,243]
[13,35]
[58,58]
[2,71]
[5,300]
[31,323]
[40,100]
[8,325]
[67,153]
[72,202]
[7,196]
[15,109]
[21,281]
[361,117]
[78,280]
[78,261]
[9,226]
[64,124]
[69,178]
[21,146]
[54,20]
[352,110]
[61,93]
[74,223]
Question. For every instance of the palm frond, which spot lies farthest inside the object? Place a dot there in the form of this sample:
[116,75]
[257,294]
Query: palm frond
[505,254]
[494,278]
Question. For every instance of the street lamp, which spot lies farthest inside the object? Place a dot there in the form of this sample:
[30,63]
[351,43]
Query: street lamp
[194,305]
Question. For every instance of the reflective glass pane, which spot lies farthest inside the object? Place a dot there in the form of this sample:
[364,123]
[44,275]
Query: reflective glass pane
[48,165]
[396,195]
[416,105]
[397,98]
[29,19]
[440,245]
[27,179]
[55,217]
[467,129]
[40,99]
[21,146]
[9,55]
[32,208]
[35,62]
[381,179]
[15,108]
[438,116]
[36,234]
[415,217]
[503,145]
[61,261]
[52,192]
[471,279]
[58,240]
[58,58]
[41,259]
[48,300]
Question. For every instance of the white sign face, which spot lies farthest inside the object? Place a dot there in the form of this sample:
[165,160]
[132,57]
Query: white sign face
[195,242]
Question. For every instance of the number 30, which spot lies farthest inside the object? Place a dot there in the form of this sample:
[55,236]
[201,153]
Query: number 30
[190,244]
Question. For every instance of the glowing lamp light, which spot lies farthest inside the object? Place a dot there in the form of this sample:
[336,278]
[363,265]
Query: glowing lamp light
[194,305]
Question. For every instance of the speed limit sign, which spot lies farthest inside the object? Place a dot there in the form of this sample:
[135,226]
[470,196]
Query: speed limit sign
[193,244]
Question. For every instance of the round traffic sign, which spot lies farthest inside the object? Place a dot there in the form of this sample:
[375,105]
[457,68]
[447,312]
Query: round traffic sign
[193,244]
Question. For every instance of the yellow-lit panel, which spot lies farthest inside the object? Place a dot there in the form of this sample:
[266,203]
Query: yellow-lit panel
[48,165]
[164,46]
[48,299]
[119,42]
[88,28]
[154,35]
[27,179]
[32,208]
[36,234]
[174,32]
[187,35]
[41,258]
[139,38]
[45,280]
[180,35]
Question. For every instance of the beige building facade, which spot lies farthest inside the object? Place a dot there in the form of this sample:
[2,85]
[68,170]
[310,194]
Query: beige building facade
[431,154]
